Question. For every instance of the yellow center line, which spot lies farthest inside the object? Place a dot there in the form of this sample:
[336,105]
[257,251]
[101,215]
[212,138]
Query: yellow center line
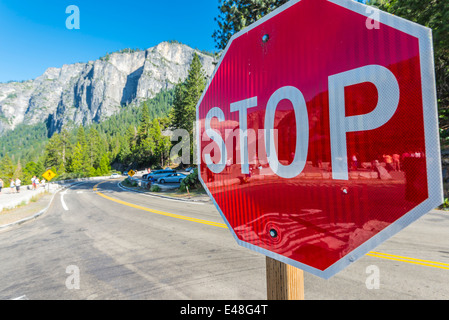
[387,256]
[167,214]
[411,260]
[423,262]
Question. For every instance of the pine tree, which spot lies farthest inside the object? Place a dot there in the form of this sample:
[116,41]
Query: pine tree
[92,172]
[93,146]
[178,114]
[195,84]
[81,136]
[125,150]
[144,126]
[162,143]
[146,152]
[104,167]
[127,145]
[238,14]
[187,95]
[76,160]
[65,146]
[82,140]
[31,169]
[18,171]
[6,168]
[53,154]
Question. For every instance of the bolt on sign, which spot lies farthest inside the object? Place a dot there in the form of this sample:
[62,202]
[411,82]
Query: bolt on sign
[318,132]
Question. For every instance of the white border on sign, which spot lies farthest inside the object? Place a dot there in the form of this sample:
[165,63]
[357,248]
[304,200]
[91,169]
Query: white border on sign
[432,150]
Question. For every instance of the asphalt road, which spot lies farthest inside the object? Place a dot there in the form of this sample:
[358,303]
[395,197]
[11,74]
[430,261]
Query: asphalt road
[103,242]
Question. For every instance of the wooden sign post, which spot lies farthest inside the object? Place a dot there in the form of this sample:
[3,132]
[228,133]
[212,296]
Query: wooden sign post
[284,282]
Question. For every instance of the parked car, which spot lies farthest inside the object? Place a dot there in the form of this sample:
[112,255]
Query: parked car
[174,177]
[115,175]
[159,173]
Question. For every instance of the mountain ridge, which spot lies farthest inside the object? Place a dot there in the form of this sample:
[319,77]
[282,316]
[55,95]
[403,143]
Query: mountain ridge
[83,93]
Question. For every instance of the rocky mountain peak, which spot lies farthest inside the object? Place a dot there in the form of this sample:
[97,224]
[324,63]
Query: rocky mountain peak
[83,93]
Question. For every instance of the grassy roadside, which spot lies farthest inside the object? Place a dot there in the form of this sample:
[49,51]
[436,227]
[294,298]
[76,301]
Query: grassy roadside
[24,203]
[25,210]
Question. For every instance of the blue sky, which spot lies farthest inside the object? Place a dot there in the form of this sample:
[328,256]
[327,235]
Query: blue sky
[33,33]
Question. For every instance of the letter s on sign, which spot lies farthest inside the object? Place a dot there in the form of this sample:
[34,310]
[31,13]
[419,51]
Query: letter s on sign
[215,136]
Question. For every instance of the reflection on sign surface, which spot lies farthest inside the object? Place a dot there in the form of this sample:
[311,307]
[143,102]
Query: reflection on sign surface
[313,142]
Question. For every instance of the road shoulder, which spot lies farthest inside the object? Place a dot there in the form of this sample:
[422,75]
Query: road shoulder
[26,212]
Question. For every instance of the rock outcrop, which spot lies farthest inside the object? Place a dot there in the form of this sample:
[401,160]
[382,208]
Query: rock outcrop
[83,93]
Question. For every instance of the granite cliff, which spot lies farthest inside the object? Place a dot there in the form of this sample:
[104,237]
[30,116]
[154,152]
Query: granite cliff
[83,93]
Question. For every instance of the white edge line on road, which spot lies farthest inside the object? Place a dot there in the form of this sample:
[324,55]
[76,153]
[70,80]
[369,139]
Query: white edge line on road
[160,197]
[5,226]
[62,200]
[64,205]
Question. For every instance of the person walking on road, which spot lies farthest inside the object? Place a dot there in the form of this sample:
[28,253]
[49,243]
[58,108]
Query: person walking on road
[18,182]
[12,185]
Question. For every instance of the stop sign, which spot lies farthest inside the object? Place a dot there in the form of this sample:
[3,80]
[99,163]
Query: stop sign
[318,134]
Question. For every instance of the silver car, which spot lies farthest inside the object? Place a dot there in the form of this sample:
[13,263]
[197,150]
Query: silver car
[174,177]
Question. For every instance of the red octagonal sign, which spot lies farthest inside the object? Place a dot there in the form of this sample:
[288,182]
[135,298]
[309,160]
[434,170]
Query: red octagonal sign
[318,132]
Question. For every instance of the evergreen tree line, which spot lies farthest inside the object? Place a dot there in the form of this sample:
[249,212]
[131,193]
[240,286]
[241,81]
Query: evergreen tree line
[131,139]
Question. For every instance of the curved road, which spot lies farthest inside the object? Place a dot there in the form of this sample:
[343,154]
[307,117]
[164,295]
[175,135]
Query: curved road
[123,252]
[98,241]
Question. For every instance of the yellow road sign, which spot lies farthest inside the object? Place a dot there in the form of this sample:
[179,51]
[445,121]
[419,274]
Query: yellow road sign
[48,175]
[131,173]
